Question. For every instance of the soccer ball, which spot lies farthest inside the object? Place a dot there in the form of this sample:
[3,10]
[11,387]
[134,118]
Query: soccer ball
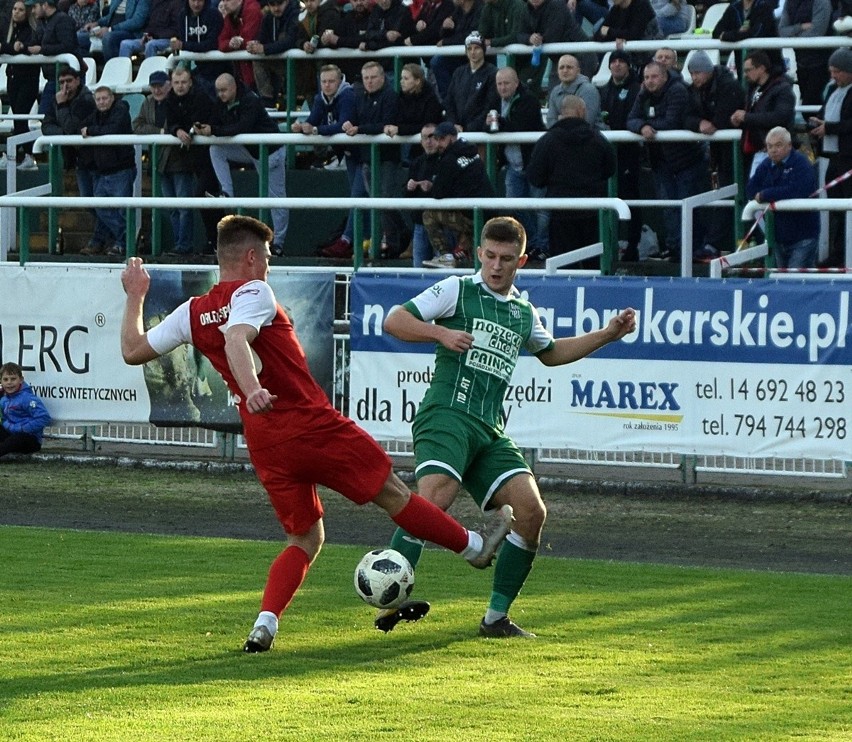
[384,578]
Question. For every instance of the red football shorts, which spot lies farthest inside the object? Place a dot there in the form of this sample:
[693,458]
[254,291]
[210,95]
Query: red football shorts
[333,452]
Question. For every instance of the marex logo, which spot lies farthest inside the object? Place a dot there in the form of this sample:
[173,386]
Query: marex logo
[641,396]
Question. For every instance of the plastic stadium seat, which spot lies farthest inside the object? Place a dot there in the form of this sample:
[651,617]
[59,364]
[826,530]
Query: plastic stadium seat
[149,65]
[601,77]
[693,19]
[91,72]
[789,57]
[35,123]
[712,16]
[117,73]
[134,101]
[3,81]
[42,81]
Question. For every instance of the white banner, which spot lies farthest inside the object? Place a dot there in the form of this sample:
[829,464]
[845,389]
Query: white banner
[714,368]
[62,324]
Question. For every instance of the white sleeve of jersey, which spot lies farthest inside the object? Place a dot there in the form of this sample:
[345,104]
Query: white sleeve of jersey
[540,338]
[438,301]
[173,331]
[252,304]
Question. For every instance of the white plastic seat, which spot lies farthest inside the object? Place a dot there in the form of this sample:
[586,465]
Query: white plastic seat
[601,77]
[789,56]
[117,73]
[3,81]
[91,71]
[693,19]
[149,65]
[712,16]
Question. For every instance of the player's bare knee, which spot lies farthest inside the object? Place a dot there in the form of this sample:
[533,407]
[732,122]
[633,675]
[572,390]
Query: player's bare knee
[394,495]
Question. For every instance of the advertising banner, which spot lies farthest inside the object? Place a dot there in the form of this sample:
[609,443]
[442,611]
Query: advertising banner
[745,368]
[63,325]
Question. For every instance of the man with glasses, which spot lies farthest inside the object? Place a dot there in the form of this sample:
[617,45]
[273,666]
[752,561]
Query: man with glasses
[770,101]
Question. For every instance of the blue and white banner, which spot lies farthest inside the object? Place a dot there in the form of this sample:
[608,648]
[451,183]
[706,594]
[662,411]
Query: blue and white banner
[745,368]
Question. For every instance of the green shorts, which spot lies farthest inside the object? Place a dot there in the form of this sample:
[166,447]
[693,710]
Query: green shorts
[480,457]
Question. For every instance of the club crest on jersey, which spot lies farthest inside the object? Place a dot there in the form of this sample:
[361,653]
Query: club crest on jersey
[515,311]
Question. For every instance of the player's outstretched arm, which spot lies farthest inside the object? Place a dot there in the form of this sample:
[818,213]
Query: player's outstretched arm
[135,348]
[568,350]
[404,325]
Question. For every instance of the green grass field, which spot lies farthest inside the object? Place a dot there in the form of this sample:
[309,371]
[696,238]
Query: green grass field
[128,637]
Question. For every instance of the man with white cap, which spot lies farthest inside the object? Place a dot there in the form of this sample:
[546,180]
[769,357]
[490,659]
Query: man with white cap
[471,86]
[455,30]
[833,126]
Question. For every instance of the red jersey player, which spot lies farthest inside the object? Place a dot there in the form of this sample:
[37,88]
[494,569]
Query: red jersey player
[295,438]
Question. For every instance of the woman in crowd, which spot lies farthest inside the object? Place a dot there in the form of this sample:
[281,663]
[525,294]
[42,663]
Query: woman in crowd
[21,79]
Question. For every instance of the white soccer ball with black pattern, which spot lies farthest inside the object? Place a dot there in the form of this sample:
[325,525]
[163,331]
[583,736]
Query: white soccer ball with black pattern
[384,578]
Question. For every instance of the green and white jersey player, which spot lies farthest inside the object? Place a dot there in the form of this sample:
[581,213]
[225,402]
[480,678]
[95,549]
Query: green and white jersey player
[480,324]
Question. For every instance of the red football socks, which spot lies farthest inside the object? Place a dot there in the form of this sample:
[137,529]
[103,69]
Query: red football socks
[286,574]
[424,520]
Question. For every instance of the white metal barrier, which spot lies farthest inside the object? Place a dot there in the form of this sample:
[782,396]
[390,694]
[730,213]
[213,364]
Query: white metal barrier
[753,210]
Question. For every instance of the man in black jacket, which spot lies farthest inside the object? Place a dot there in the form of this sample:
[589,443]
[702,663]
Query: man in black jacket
[461,173]
[200,26]
[58,36]
[239,111]
[679,168]
[769,102]
[572,160]
[512,108]
[377,106]
[186,104]
[471,86]
[617,98]
[115,164]
[69,109]
[546,22]
[714,96]
[279,31]
[350,32]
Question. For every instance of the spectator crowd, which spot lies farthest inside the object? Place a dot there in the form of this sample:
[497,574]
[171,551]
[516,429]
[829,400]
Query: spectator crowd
[568,98]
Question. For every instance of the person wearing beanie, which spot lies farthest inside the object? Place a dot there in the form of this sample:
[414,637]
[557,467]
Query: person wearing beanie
[714,96]
[455,31]
[832,128]
[617,98]
[471,86]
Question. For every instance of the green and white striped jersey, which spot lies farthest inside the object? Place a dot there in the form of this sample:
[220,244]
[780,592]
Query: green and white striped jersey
[476,381]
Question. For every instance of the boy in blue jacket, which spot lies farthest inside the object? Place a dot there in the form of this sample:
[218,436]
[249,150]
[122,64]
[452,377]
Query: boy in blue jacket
[24,416]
